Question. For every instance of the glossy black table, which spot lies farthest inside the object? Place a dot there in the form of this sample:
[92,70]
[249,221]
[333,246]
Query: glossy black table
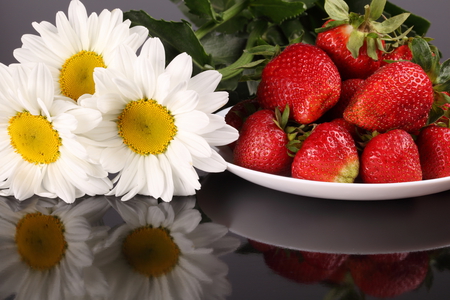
[295,247]
[279,232]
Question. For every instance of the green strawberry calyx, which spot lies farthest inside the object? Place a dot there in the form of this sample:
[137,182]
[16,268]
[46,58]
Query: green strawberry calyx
[296,133]
[366,28]
[428,57]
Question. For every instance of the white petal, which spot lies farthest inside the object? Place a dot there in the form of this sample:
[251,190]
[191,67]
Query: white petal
[193,121]
[214,164]
[153,49]
[205,82]
[196,144]
[180,69]
[212,102]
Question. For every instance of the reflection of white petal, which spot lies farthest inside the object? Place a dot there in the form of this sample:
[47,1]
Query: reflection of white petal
[154,216]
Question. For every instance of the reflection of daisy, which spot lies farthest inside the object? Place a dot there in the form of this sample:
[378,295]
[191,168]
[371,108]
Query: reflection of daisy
[46,250]
[40,152]
[158,123]
[162,252]
[78,44]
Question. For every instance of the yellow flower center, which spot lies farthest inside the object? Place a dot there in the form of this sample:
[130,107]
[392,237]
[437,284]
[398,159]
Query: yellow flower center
[40,240]
[150,251]
[77,74]
[34,138]
[146,127]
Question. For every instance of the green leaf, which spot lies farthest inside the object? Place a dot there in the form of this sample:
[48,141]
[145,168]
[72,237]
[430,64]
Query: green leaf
[201,8]
[444,74]
[214,45]
[391,24]
[337,9]
[420,24]
[330,25]
[277,10]
[355,42]
[376,9]
[177,37]
[422,54]
[435,114]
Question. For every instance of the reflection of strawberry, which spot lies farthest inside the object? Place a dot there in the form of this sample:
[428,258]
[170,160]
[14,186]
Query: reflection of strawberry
[388,257]
[301,266]
[290,264]
[303,77]
[389,279]
[261,247]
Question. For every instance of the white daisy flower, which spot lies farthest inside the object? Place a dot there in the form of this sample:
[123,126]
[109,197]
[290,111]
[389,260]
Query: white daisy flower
[47,250]
[158,123]
[78,44]
[41,151]
[162,252]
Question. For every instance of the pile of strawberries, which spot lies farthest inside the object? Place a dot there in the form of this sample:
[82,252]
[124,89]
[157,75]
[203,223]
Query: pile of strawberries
[359,105]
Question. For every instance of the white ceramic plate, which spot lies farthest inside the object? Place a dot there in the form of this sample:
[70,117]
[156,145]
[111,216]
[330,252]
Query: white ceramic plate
[331,190]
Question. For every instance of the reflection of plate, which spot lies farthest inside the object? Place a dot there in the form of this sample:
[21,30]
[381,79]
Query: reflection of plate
[338,191]
[322,225]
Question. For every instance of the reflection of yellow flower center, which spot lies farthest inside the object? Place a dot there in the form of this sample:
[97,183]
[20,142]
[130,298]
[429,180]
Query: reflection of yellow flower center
[34,138]
[146,127]
[77,74]
[40,240]
[150,251]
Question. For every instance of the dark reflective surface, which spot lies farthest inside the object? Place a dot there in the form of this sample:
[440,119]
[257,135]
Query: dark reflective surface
[280,247]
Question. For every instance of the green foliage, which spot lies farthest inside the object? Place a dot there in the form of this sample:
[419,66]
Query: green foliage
[226,34]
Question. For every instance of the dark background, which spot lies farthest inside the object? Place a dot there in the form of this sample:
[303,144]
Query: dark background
[17,16]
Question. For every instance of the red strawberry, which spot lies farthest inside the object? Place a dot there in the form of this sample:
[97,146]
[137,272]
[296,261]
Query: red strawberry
[303,77]
[389,279]
[334,43]
[433,143]
[327,154]
[355,42]
[348,89]
[398,95]
[237,114]
[390,157]
[261,145]
[400,53]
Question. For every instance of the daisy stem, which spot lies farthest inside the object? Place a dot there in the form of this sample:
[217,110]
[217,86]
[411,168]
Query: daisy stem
[225,16]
